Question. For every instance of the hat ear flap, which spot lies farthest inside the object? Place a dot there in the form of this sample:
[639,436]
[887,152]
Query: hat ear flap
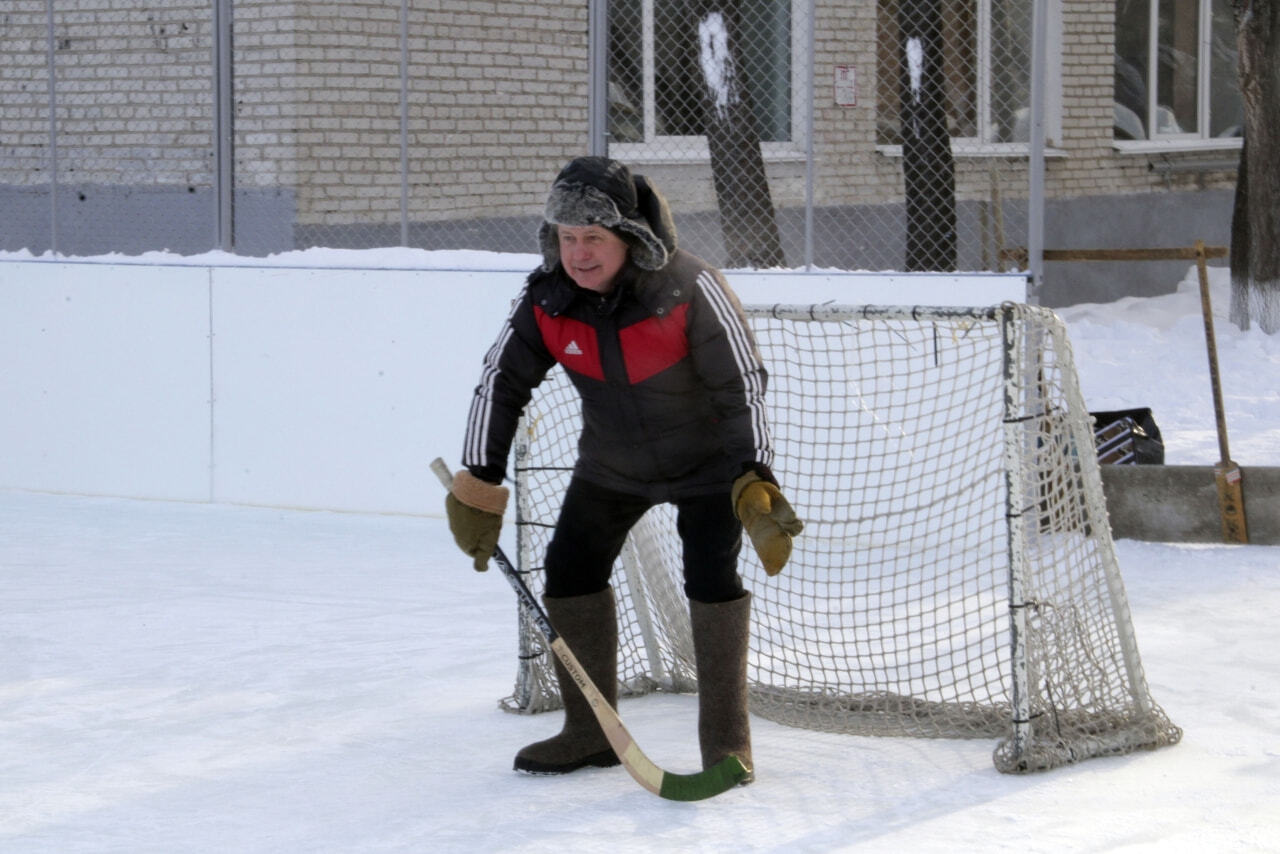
[655,211]
[549,243]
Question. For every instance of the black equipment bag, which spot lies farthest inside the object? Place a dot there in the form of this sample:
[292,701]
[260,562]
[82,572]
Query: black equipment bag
[1128,437]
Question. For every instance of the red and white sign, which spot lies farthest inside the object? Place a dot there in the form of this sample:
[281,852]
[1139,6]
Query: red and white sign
[846,86]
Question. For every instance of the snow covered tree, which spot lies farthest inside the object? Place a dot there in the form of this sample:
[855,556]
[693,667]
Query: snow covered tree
[1255,226]
[927,163]
[747,216]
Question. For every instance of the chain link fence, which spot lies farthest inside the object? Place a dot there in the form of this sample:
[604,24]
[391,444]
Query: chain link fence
[105,137]
[889,136]
[772,166]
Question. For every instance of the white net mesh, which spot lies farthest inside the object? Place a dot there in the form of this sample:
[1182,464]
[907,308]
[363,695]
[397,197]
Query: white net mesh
[956,576]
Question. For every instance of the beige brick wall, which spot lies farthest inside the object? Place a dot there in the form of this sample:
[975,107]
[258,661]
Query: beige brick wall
[497,101]
[132,92]
[24,93]
[511,104]
[853,172]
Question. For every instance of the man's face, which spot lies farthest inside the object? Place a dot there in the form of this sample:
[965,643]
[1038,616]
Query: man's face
[592,255]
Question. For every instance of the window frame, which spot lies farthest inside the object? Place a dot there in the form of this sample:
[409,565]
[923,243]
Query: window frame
[1199,139]
[694,149]
[977,146]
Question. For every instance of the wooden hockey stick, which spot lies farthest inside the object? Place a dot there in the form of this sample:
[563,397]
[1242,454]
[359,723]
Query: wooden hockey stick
[721,777]
[1226,472]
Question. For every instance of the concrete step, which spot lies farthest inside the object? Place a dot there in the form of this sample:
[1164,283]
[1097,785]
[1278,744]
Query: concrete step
[1179,504]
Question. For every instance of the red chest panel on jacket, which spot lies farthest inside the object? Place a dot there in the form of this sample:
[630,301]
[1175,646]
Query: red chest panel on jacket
[653,345]
[648,347]
[572,342]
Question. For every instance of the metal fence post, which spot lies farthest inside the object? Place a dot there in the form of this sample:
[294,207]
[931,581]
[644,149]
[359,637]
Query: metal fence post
[404,122]
[809,94]
[223,127]
[53,132]
[1035,166]
[598,78]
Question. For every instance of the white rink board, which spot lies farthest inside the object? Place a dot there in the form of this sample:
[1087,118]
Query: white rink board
[291,386]
[105,381]
[331,383]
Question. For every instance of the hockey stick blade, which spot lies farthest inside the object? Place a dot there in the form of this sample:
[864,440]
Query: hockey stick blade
[708,783]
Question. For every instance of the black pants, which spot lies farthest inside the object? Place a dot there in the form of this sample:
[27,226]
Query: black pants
[593,526]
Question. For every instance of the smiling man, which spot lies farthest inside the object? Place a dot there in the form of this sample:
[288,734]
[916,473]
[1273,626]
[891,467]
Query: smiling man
[592,255]
[672,391]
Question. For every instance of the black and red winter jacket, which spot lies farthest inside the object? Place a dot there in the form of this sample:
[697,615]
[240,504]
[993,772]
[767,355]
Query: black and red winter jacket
[671,382]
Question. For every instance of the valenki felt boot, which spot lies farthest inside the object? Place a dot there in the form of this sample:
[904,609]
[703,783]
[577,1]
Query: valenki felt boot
[720,634]
[589,626]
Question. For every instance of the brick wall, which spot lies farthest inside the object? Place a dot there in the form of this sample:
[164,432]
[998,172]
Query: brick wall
[496,102]
[132,92]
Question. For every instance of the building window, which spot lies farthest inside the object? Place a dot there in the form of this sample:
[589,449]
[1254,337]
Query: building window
[656,82]
[1188,48]
[986,66]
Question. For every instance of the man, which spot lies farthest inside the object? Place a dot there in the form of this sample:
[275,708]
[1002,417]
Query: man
[672,388]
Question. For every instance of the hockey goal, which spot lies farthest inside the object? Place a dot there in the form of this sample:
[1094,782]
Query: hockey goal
[956,575]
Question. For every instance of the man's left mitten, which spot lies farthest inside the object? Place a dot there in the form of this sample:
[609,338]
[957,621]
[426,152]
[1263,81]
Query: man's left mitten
[475,509]
[767,518]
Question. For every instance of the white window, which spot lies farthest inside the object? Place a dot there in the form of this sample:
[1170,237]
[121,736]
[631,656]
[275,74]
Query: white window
[656,82]
[986,69]
[1188,48]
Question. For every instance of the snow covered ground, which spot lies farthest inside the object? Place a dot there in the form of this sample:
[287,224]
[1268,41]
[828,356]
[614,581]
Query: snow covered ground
[211,678]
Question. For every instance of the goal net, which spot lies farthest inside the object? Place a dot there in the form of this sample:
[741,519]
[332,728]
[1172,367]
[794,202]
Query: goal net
[956,575]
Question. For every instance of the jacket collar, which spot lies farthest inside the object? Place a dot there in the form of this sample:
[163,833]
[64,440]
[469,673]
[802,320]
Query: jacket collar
[656,291]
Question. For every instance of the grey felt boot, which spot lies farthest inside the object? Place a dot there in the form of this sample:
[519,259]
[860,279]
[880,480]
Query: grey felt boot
[589,626]
[720,634]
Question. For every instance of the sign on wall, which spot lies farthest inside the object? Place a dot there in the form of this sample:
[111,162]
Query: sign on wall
[846,86]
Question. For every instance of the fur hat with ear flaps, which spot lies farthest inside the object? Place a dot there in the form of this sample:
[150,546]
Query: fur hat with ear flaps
[600,191]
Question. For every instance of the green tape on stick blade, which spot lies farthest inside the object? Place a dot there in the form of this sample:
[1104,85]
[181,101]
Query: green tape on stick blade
[719,778]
